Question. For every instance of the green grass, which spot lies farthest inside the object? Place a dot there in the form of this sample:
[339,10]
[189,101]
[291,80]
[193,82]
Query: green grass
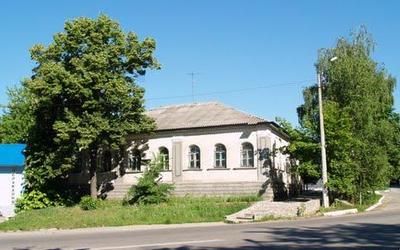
[112,213]
[337,205]
[368,201]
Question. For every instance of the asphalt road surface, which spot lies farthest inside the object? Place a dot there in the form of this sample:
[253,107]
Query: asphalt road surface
[378,229]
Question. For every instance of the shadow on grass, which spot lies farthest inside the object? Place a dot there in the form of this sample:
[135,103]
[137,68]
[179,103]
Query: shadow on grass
[354,236]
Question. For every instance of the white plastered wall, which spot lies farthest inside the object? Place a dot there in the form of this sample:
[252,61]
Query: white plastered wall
[11,180]
[206,139]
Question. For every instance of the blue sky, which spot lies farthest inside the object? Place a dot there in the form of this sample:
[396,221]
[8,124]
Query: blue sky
[256,56]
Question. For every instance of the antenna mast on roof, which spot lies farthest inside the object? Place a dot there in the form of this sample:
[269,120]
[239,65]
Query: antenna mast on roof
[192,74]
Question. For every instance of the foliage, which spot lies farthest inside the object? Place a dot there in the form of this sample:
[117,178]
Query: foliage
[33,200]
[149,190]
[112,213]
[84,99]
[393,145]
[368,200]
[362,131]
[17,118]
[302,150]
[88,203]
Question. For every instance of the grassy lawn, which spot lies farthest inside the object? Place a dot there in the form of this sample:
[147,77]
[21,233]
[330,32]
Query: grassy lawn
[112,213]
[367,202]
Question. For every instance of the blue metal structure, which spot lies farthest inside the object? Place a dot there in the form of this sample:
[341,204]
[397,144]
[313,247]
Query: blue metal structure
[12,155]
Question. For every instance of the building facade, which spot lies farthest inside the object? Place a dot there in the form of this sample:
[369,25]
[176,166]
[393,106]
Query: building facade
[206,148]
[12,163]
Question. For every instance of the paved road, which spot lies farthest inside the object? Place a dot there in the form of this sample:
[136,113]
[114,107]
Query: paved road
[379,229]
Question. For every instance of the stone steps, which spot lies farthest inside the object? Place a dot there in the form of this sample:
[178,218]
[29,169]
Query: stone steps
[263,209]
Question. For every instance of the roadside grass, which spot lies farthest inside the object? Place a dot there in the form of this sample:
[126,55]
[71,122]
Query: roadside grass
[335,206]
[113,213]
[368,201]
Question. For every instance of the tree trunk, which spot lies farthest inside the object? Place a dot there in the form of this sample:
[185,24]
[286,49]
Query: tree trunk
[93,174]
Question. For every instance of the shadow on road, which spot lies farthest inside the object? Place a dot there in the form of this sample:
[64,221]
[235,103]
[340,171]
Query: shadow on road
[32,248]
[355,236]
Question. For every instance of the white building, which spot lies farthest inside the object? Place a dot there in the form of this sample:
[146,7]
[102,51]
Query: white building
[12,163]
[208,148]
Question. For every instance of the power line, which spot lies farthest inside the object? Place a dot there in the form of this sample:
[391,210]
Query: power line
[211,93]
[230,91]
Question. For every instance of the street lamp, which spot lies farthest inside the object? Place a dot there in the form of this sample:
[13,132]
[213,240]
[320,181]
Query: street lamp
[325,197]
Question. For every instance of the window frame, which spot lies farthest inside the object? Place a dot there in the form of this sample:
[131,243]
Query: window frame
[220,156]
[106,161]
[135,160]
[164,157]
[247,155]
[194,157]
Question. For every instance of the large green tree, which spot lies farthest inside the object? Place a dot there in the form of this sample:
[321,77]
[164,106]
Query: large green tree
[84,98]
[361,126]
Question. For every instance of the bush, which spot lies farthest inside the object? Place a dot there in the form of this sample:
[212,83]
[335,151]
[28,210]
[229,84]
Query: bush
[33,200]
[148,190]
[88,203]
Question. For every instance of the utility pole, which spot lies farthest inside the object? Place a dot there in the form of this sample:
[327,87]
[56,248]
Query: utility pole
[192,74]
[325,198]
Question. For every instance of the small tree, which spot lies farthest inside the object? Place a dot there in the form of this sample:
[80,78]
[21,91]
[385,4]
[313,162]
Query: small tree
[149,190]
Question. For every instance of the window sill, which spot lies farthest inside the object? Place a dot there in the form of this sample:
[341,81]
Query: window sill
[192,169]
[166,171]
[133,172]
[244,168]
[212,169]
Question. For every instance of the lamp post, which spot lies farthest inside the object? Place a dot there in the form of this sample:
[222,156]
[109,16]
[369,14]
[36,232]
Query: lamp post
[325,197]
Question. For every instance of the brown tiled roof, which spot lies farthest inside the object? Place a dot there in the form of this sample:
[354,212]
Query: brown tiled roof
[197,115]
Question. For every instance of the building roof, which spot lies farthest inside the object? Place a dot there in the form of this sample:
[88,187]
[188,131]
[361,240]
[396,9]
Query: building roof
[12,155]
[198,115]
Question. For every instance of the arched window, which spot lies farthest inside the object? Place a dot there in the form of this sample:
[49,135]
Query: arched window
[194,156]
[164,157]
[134,160]
[247,155]
[103,160]
[106,161]
[220,156]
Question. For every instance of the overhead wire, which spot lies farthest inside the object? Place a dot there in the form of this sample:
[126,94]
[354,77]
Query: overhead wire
[229,91]
[218,92]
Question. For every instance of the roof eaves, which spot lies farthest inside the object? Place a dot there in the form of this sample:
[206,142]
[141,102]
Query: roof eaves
[211,126]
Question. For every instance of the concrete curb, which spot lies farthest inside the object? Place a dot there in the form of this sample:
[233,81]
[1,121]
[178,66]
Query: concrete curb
[376,205]
[341,212]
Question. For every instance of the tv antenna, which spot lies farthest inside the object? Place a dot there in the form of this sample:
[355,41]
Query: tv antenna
[192,74]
